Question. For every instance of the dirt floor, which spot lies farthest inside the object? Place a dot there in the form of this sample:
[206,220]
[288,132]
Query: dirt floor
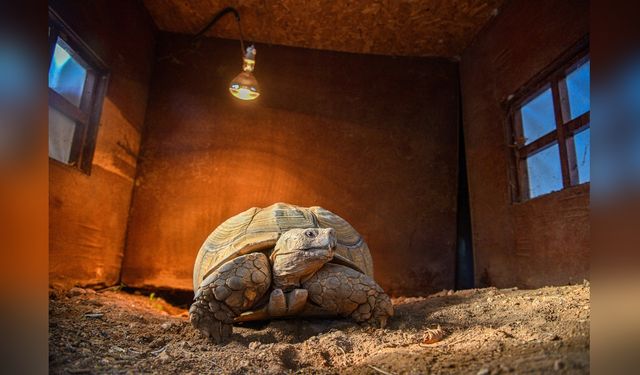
[487,331]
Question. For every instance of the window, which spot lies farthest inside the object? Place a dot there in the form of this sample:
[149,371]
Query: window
[77,83]
[550,129]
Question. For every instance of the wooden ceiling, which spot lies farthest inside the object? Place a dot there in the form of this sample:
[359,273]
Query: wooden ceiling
[387,27]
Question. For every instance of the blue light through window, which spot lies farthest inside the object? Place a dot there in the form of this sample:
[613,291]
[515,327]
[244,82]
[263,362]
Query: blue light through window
[538,117]
[544,171]
[582,142]
[66,75]
[539,153]
[578,90]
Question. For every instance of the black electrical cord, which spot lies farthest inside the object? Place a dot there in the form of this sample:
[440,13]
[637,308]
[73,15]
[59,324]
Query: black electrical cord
[215,19]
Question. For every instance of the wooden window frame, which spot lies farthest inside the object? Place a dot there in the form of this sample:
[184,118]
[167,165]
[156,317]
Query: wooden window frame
[87,115]
[551,77]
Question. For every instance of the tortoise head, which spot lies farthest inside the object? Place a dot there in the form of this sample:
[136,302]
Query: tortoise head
[299,253]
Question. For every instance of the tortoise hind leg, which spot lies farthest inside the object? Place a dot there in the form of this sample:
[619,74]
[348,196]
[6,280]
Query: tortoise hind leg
[346,292]
[227,292]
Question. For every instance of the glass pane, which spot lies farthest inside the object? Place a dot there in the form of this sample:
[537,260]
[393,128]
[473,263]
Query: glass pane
[61,129]
[66,75]
[582,141]
[537,117]
[578,90]
[544,170]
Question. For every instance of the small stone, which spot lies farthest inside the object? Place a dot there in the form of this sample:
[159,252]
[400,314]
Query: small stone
[484,371]
[90,291]
[558,365]
[450,292]
[75,291]
[165,325]
[164,356]
[254,345]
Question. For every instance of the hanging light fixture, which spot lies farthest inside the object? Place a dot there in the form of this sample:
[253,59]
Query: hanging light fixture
[244,86]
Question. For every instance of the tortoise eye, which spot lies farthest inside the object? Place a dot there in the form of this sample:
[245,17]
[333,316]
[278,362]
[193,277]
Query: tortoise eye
[310,233]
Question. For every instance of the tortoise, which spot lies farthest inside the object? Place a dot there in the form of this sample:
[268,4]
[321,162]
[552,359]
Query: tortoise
[284,261]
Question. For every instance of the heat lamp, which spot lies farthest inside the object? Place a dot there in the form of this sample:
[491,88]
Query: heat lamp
[245,85]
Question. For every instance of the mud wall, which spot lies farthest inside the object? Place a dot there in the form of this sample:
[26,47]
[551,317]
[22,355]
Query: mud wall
[545,240]
[88,214]
[371,138]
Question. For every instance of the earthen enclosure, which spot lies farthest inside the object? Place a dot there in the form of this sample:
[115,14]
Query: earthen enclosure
[416,121]
[368,131]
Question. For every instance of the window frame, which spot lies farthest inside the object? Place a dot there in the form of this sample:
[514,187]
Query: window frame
[551,77]
[87,116]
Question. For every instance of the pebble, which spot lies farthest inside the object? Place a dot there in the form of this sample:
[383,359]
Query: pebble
[166,325]
[164,356]
[558,365]
[75,291]
[505,368]
[484,371]
[254,345]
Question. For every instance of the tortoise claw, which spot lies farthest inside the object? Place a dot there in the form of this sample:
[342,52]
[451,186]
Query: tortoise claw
[217,326]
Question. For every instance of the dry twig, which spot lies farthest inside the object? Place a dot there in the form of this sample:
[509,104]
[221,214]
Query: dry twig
[93,315]
[158,351]
[344,356]
[381,370]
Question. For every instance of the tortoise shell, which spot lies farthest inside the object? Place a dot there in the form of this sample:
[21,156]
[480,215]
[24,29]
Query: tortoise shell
[258,229]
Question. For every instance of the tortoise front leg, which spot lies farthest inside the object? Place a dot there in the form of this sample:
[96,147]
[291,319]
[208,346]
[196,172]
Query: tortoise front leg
[227,292]
[346,292]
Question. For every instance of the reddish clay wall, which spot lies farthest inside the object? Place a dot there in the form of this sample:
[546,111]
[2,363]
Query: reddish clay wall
[371,138]
[545,240]
[88,214]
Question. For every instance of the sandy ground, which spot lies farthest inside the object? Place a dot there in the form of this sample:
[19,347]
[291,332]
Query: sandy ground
[487,331]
